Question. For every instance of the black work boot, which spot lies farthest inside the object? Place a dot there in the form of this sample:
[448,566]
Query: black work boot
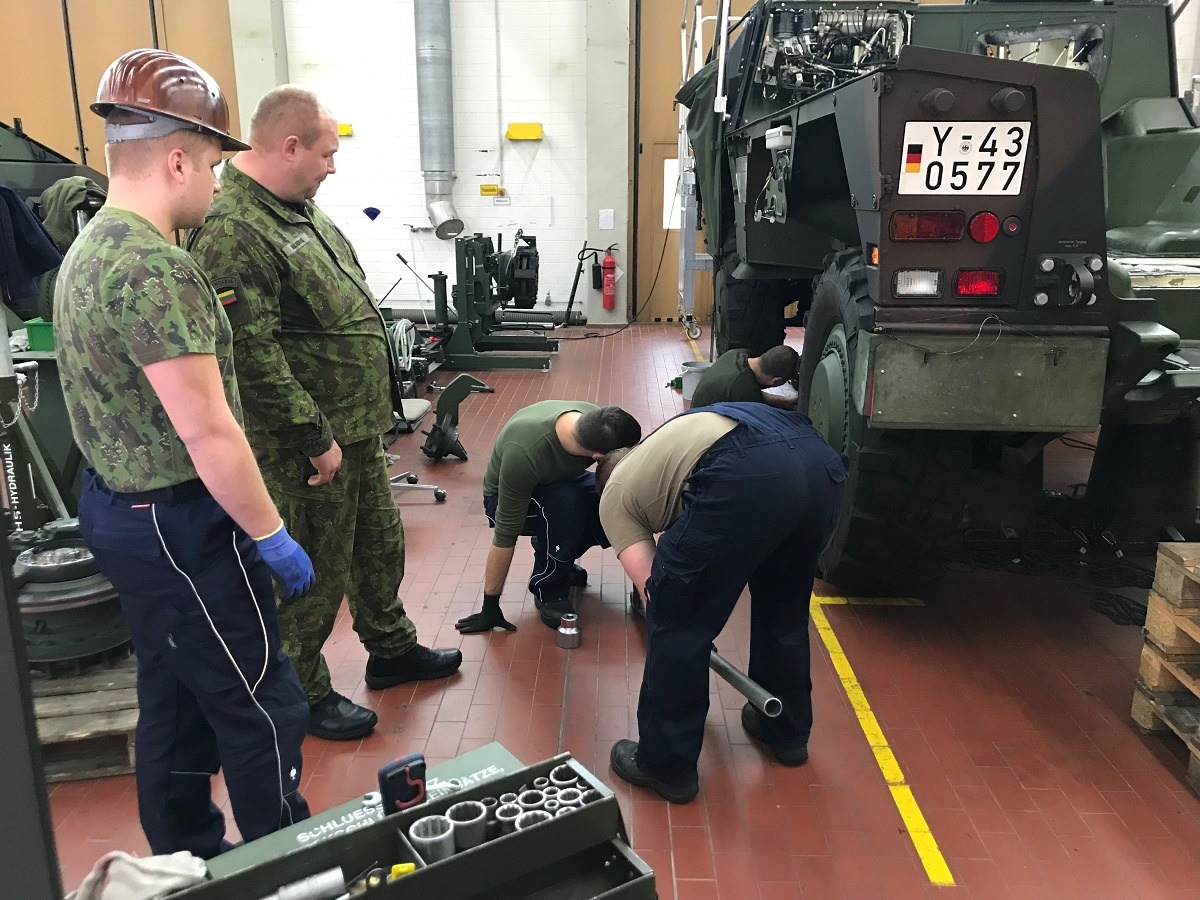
[579,576]
[336,718]
[418,664]
[790,753]
[553,609]
[623,761]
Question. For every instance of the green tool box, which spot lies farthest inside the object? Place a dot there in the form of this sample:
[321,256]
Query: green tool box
[574,857]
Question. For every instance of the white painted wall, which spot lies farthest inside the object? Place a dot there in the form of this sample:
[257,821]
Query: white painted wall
[1186,43]
[514,61]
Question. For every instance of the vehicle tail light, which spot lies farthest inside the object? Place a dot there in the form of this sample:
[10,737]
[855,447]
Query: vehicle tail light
[978,283]
[928,226]
[917,283]
[984,227]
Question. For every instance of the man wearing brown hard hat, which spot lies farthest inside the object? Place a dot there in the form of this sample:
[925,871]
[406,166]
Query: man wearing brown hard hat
[173,506]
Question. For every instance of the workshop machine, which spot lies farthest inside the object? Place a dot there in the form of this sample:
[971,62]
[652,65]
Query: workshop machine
[490,280]
[70,612]
[986,217]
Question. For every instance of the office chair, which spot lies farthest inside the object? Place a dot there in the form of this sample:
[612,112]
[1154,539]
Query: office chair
[407,420]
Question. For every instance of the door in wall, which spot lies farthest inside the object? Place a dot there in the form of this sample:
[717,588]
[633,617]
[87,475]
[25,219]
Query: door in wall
[54,46]
[657,294]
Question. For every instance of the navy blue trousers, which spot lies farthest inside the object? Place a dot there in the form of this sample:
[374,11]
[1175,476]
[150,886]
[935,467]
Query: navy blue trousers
[564,516]
[215,691]
[759,508]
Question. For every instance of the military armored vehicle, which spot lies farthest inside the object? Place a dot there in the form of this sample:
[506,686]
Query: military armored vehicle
[986,217]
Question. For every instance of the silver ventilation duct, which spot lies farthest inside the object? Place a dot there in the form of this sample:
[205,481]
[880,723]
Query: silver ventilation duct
[435,110]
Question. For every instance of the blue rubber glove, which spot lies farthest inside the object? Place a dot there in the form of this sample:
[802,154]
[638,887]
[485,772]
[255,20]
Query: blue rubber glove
[291,565]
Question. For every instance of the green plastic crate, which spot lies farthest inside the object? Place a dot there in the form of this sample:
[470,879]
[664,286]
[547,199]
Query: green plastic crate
[41,334]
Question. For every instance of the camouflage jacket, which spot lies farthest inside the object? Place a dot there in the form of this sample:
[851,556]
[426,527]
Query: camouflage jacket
[126,298]
[313,359]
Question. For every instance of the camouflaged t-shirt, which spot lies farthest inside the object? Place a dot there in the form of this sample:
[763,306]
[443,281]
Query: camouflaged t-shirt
[127,298]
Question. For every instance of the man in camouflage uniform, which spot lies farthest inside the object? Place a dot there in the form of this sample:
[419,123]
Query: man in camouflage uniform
[314,366]
[172,495]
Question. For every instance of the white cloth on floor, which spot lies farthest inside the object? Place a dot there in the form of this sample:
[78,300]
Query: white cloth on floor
[119,876]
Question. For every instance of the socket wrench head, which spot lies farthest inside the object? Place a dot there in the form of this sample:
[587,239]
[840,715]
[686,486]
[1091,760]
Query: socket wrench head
[531,800]
[433,838]
[550,791]
[569,636]
[506,817]
[540,784]
[570,797]
[591,795]
[563,777]
[531,818]
[490,804]
[551,806]
[470,822]
[510,797]
[563,810]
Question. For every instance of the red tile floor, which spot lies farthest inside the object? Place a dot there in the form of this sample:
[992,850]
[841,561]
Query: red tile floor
[1004,699]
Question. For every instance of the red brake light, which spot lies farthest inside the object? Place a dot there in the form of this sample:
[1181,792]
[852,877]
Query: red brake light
[927,226]
[984,227]
[978,283]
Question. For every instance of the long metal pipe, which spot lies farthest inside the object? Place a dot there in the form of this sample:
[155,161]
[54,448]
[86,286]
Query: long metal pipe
[419,314]
[751,690]
[435,113]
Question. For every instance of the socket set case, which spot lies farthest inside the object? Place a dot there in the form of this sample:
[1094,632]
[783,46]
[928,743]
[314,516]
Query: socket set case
[579,856]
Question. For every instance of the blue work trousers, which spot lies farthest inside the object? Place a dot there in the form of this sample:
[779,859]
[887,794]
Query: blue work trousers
[759,507]
[564,517]
[215,691]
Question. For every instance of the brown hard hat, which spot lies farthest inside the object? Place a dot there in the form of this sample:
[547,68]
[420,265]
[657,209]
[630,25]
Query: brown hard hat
[167,85]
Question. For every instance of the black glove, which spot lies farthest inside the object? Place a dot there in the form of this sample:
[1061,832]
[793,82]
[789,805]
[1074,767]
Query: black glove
[636,605]
[486,619]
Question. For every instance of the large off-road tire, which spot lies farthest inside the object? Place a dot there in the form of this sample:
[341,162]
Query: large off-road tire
[905,492]
[747,313]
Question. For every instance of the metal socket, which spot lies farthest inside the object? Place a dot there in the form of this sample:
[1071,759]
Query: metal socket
[529,800]
[433,838]
[490,804]
[550,791]
[506,818]
[570,797]
[540,784]
[531,818]
[591,795]
[563,810]
[551,806]
[563,777]
[470,823]
[569,636]
[510,797]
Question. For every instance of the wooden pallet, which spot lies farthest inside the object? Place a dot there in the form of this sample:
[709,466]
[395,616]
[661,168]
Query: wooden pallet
[1178,712]
[86,722]
[1174,631]
[1177,575]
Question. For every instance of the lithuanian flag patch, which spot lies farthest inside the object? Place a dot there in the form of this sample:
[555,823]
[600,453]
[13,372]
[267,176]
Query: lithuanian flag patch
[226,287]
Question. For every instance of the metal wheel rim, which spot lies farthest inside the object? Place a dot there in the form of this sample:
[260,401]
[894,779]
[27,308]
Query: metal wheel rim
[829,396]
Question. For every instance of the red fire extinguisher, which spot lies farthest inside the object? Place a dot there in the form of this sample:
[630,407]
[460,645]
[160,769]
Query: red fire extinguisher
[608,281]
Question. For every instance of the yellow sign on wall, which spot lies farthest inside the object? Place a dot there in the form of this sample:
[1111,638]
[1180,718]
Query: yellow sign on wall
[491,190]
[524,131]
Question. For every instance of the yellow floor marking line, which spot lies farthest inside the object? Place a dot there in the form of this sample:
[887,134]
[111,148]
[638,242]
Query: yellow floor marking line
[695,349]
[868,601]
[922,838]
